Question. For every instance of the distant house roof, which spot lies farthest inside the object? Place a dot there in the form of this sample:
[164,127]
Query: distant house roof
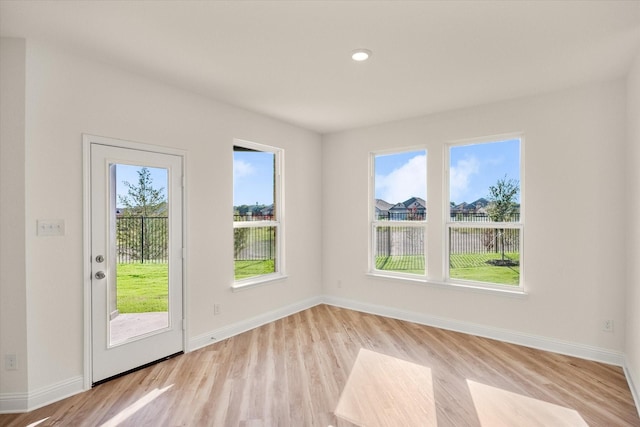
[477,206]
[398,207]
[383,206]
[480,203]
[415,203]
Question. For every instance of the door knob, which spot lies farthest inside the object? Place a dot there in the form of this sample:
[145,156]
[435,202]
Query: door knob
[100,275]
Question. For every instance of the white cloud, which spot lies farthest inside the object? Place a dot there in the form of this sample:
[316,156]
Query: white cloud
[461,175]
[242,169]
[407,181]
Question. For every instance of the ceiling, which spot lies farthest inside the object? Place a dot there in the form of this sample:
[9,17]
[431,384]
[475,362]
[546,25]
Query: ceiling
[291,59]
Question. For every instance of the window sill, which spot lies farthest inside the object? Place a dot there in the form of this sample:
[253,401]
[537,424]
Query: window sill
[479,288]
[254,282]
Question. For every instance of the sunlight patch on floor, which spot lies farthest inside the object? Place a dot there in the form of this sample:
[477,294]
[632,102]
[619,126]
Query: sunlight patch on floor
[136,406]
[497,407]
[38,422]
[384,390]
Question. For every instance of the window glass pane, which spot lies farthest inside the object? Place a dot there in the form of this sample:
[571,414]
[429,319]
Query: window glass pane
[401,186]
[490,255]
[484,182]
[254,201]
[253,185]
[254,251]
[400,249]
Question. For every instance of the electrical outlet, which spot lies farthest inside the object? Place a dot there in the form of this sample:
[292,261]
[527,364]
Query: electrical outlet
[10,362]
[607,325]
[216,309]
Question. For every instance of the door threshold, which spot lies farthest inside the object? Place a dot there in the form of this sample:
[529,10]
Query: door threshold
[146,365]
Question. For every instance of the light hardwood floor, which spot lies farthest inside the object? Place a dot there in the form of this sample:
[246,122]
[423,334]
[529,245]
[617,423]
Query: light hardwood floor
[369,370]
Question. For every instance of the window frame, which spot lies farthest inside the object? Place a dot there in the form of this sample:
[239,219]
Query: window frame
[277,221]
[515,225]
[375,223]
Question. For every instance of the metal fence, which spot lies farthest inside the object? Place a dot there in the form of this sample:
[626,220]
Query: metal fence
[483,240]
[142,239]
[253,217]
[454,216]
[479,217]
[254,243]
[145,239]
[401,216]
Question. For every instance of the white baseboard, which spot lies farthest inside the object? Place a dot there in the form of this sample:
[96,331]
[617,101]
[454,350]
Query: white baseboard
[528,340]
[534,341]
[248,324]
[633,384]
[24,402]
[13,402]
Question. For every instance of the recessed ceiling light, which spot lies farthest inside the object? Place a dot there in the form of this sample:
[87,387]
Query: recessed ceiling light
[360,55]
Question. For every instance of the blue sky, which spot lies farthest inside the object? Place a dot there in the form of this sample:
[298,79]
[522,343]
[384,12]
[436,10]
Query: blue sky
[401,176]
[476,167]
[398,176]
[129,173]
[252,178]
[473,168]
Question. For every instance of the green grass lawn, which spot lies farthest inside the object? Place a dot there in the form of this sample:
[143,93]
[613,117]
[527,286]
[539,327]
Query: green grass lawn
[412,264]
[246,269]
[143,287]
[475,267]
[467,266]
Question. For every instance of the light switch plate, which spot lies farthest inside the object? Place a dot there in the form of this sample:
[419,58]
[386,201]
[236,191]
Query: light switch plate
[51,227]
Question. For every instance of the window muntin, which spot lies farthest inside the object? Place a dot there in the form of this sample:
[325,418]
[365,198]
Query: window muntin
[399,213]
[484,221]
[257,212]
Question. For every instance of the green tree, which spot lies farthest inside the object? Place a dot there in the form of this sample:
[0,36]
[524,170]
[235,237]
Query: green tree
[239,240]
[502,204]
[141,234]
[143,199]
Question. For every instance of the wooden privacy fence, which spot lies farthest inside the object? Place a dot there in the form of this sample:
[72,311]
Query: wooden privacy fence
[483,240]
[403,241]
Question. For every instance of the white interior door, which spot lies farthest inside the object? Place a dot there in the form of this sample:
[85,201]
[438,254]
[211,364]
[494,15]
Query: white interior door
[136,258]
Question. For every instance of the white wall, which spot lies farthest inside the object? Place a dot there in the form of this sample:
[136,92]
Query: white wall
[574,253]
[632,343]
[13,302]
[575,157]
[66,96]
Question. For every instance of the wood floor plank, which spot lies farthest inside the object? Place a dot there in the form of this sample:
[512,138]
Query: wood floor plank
[295,371]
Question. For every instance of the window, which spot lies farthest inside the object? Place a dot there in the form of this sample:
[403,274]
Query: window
[257,213]
[399,213]
[485,222]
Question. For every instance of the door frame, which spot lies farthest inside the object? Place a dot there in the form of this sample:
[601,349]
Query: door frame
[87,141]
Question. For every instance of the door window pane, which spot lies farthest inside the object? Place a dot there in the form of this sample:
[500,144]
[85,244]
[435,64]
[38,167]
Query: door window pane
[139,295]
